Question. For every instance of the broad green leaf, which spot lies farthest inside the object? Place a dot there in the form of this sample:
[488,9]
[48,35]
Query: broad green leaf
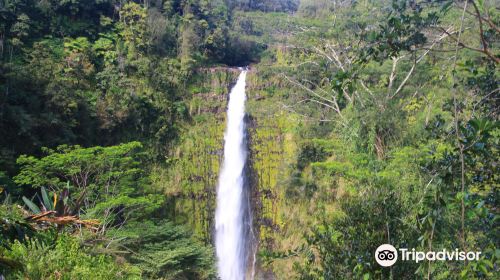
[32,206]
[46,201]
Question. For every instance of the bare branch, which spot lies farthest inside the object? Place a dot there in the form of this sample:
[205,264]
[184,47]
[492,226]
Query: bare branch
[332,104]
[308,89]
[485,19]
[393,72]
[366,88]
[403,83]
[405,80]
[289,108]
[484,50]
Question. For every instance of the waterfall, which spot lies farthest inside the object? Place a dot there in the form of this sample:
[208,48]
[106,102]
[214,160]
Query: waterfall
[232,216]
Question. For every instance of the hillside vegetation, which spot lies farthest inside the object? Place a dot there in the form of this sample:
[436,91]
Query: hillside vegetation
[369,122]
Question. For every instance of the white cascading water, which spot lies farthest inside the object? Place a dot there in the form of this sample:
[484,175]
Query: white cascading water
[230,226]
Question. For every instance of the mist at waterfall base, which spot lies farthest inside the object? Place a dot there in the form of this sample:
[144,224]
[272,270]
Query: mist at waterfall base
[232,214]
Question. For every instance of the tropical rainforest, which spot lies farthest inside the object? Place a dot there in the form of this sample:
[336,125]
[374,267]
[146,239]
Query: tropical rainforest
[369,122]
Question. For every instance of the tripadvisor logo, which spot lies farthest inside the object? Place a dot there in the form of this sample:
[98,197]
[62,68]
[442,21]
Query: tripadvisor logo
[386,255]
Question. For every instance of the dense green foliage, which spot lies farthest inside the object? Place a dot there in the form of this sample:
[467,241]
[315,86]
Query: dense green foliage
[397,137]
[369,122]
[165,251]
[81,82]
[63,260]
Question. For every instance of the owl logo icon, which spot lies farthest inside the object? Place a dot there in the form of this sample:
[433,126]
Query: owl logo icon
[386,255]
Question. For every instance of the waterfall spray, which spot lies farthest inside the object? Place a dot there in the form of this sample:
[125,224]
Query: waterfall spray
[231,223]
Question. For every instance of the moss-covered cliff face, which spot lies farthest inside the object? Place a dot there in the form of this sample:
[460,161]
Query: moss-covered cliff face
[193,166]
[274,136]
[272,152]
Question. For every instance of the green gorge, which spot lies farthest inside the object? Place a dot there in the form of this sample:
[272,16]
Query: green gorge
[368,122]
